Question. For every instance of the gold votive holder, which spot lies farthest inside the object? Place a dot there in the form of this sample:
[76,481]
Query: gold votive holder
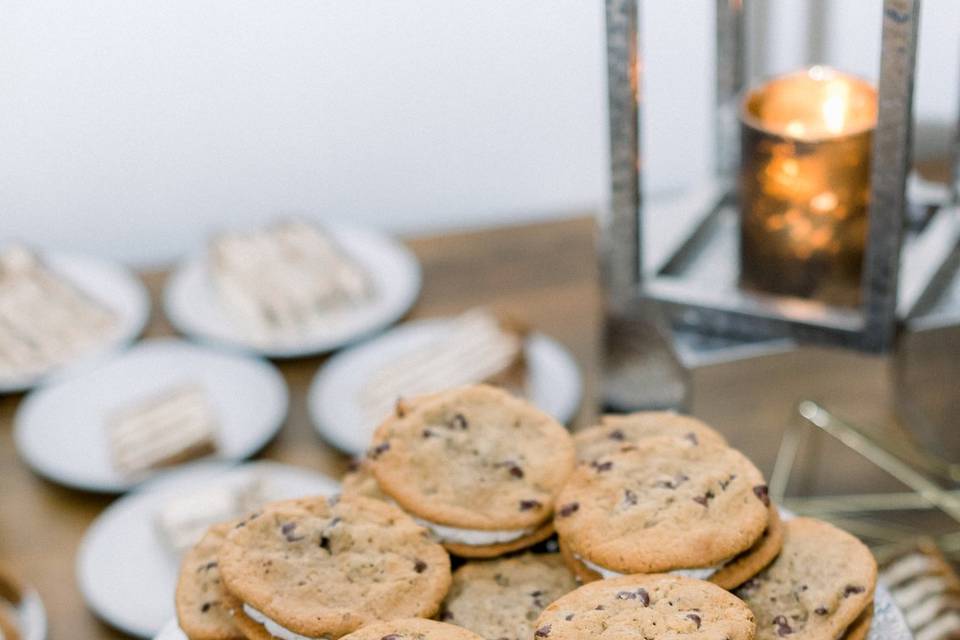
[806,140]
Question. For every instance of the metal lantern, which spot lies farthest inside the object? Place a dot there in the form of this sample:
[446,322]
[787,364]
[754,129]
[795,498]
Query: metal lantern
[900,261]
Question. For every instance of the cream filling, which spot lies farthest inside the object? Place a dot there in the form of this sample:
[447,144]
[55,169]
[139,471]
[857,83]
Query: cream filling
[700,573]
[473,537]
[274,629]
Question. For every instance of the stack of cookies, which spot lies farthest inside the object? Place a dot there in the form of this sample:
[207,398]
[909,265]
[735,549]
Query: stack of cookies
[643,526]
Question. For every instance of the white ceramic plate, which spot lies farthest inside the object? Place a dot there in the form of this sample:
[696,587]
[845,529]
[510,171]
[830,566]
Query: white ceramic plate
[553,378]
[126,574]
[110,284]
[58,429]
[171,631]
[191,304]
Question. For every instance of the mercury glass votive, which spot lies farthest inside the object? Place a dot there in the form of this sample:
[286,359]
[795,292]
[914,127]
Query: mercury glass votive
[806,140]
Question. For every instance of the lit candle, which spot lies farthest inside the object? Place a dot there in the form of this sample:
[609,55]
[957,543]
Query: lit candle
[804,185]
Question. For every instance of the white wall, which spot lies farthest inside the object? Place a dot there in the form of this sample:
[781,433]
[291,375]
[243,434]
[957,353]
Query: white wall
[133,129]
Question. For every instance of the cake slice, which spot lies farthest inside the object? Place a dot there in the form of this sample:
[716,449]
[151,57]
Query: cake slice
[284,282]
[478,347]
[183,519]
[45,320]
[168,428]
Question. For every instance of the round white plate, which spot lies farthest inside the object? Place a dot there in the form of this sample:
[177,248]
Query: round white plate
[171,631]
[191,303]
[59,429]
[126,574]
[110,284]
[553,379]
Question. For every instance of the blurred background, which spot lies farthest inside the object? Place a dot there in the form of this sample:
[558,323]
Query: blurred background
[131,130]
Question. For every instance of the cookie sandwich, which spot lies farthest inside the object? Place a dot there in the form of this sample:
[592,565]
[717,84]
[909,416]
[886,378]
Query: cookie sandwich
[319,568]
[502,598]
[668,505]
[647,606]
[413,629]
[477,466]
[621,432]
[204,608]
[819,588]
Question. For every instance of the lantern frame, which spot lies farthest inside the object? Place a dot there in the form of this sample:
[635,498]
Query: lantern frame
[900,264]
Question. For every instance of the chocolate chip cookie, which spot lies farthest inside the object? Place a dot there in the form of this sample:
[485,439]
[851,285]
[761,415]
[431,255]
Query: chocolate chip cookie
[501,599]
[617,432]
[323,568]
[667,505]
[478,466]
[203,606]
[730,575]
[412,629]
[817,588]
[646,607]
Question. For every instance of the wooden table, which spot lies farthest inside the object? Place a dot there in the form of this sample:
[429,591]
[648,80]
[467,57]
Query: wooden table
[544,274]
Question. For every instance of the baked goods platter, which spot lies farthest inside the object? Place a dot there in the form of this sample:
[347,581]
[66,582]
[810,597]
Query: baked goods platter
[475,515]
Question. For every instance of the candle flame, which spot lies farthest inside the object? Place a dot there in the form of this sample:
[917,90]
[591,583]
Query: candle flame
[836,106]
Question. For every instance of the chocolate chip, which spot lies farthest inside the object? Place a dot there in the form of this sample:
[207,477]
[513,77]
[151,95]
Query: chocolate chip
[602,466]
[617,434]
[206,606]
[763,493]
[516,471]
[378,450]
[783,627]
[821,611]
[644,596]
[426,433]
[536,593]
[207,567]
[419,565]
[852,589]
[325,543]
[704,499]
[692,437]
[673,483]
[695,618]
[543,631]
[287,530]
[568,617]
[391,636]
[526,505]
[459,421]
[629,497]
[599,607]
[626,595]
[569,509]
[726,483]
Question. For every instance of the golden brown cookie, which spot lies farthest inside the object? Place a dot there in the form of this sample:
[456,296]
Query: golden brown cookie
[616,432]
[501,599]
[324,568]
[817,588]
[476,465]
[667,505]
[203,607]
[412,629]
[647,607]
[729,576]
